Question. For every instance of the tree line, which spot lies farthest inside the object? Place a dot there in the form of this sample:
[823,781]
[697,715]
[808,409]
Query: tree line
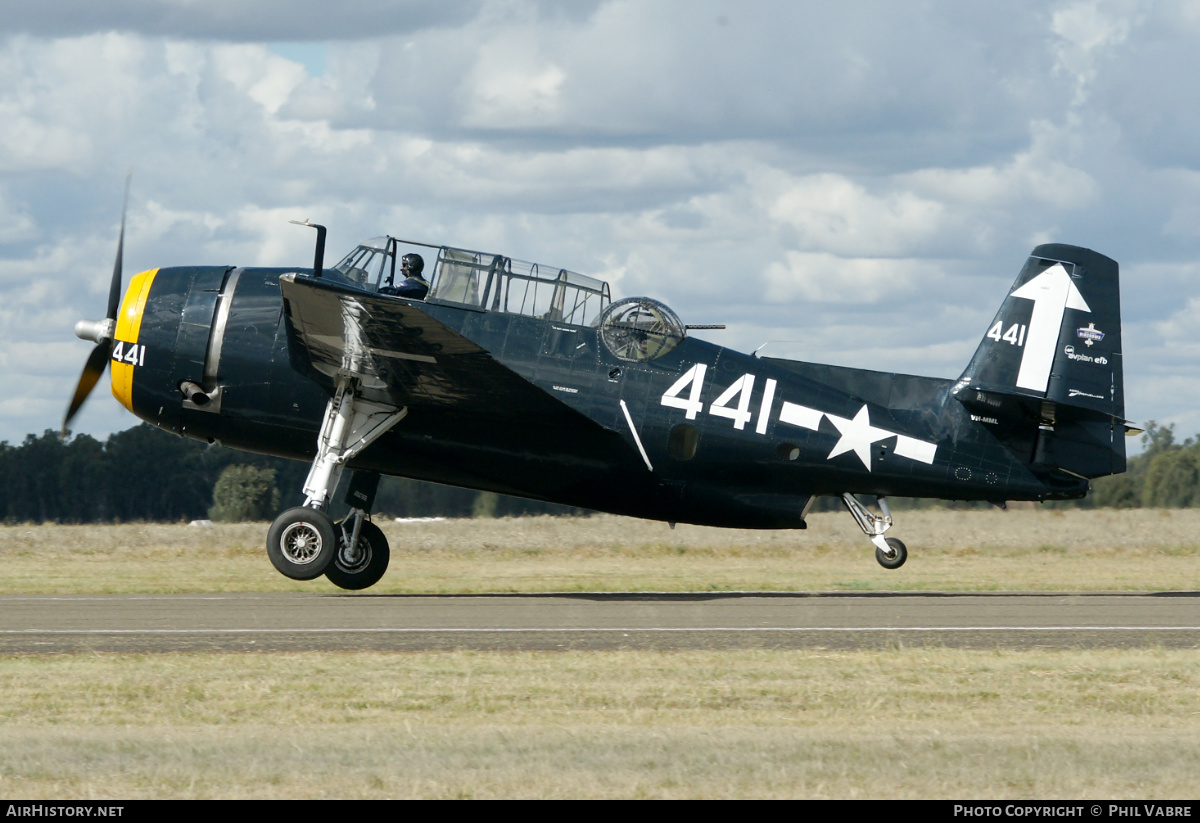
[145,474]
[1166,475]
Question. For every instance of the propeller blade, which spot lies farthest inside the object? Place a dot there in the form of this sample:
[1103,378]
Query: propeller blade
[92,372]
[101,332]
[114,291]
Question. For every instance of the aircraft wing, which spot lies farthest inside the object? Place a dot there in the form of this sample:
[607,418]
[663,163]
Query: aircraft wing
[403,357]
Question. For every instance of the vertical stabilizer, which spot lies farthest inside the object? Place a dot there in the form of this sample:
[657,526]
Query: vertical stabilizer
[1052,357]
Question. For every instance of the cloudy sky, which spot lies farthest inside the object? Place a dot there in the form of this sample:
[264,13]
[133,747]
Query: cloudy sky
[858,182]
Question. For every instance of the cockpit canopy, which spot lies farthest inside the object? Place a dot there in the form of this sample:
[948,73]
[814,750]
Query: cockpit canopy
[635,329]
[371,264]
[487,281]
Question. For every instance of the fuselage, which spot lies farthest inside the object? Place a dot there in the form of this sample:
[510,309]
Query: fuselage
[702,434]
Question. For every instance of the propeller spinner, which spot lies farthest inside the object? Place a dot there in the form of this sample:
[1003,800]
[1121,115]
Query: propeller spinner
[100,332]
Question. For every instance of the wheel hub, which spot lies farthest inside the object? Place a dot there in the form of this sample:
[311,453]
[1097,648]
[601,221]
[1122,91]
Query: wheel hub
[301,543]
[357,561]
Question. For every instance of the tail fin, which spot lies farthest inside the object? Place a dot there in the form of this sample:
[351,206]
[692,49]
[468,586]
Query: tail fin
[1052,357]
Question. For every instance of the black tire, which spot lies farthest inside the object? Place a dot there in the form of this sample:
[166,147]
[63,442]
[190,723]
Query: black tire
[371,565]
[899,554]
[301,543]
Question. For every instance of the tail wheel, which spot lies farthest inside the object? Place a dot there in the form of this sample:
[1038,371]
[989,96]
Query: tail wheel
[301,543]
[368,564]
[895,558]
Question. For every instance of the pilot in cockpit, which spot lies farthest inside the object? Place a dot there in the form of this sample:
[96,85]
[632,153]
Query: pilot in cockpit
[414,286]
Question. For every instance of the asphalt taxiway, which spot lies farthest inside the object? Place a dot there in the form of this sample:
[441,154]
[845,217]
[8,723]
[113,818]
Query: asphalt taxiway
[32,624]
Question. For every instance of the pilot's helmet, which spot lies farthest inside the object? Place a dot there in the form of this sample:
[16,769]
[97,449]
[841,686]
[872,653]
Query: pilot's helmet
[412,265]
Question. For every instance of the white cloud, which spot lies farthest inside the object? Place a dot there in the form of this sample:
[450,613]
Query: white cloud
[792,167]
[1180,332]
[512,86]
[1087,28]
[824,278]
[15,224]
[832,214]
[234,20]
[1039,175]
[256,72]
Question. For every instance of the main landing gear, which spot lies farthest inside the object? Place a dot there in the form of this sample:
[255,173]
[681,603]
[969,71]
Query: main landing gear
[303,543]
[890,552]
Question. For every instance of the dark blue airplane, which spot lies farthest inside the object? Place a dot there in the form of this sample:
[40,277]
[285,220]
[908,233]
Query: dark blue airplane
[521,379]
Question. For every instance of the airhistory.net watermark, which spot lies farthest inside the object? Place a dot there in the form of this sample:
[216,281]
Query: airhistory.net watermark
[64,810]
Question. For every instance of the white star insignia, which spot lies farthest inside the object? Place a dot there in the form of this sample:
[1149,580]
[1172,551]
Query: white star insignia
[857,436]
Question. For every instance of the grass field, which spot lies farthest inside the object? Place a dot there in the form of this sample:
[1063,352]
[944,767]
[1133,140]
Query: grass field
[995,550]
[905,722]
[898,723]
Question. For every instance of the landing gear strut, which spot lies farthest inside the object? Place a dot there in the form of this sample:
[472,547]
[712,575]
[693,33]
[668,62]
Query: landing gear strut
[890,552]
[304,543]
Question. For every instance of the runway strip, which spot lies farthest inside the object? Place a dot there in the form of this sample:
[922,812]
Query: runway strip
[301,622]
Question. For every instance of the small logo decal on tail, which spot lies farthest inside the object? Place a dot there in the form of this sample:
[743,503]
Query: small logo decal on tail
[1090,335]
[1099,360]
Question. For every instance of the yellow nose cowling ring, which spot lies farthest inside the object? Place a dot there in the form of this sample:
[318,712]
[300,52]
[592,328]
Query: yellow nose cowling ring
[128,354]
